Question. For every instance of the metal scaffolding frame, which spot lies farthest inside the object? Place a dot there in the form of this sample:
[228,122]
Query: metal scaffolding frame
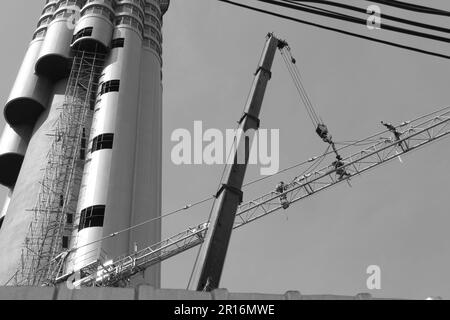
[57,199]
[415,134]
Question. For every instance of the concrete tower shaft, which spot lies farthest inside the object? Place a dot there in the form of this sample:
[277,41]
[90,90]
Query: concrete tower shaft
[93,31]
[148,164]
[120,149]
[26,190]
[122,179]
[126,70]
[147,195]
[118,88]
[5,207]
[13,146]
[55,54]
[31,92]
[28,99]
[12,152]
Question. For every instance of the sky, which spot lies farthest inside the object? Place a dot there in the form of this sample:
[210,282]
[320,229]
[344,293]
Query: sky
[396,216]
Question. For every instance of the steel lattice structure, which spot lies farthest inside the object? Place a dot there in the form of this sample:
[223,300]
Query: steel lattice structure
[414,134]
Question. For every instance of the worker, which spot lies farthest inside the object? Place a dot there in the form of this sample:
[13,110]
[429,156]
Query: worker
[394,130]
[281,188]
[300,179]
[200,230]
[340,171]
[391,128]
[203,226]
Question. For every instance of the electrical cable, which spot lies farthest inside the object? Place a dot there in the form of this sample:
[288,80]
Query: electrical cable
[334,15]
[364,11]
[413,49]
[412,7]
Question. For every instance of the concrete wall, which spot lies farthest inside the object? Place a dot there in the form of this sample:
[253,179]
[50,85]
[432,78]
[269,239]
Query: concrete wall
[145,292]
[18,217]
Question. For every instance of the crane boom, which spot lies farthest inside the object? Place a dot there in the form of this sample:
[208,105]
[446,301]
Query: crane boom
[211,258]
[415,134]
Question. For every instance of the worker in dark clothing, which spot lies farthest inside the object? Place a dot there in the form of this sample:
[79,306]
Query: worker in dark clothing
[281,188]
[394,130]
[340,170]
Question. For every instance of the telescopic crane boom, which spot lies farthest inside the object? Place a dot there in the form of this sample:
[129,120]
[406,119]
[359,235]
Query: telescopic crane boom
[209,265]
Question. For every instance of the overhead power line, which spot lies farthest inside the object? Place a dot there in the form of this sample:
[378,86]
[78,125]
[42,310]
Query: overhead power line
[348,18]
[393,44]
[364,11]
[411,7]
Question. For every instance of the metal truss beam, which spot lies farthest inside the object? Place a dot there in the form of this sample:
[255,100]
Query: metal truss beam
[414,135]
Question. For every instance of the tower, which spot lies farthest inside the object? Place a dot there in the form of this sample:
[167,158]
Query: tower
[81,151]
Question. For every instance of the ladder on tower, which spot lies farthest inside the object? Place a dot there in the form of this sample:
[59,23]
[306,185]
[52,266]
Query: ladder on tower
[54,212]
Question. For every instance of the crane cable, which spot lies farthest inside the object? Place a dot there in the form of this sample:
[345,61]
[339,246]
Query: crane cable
[318,123]
[296,78]
[291,64]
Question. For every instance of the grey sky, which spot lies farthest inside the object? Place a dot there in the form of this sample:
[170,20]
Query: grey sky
[396,216]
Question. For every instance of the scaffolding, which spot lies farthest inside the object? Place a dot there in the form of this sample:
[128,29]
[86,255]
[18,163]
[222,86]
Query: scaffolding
[53,215]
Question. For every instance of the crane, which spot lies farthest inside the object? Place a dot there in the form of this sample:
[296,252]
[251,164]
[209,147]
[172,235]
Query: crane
[208,267]
[415,134]
[230,212]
